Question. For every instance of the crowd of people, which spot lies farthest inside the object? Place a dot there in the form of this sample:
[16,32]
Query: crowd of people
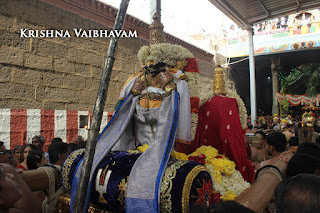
[279,23]
[267,26]
[302,24]
[15,196]
[298,192]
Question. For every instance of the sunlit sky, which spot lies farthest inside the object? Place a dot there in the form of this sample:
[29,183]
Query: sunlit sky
[181,18]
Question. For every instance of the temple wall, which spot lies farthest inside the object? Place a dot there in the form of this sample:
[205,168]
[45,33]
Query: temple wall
[64,73]
[59,73]
[56,73]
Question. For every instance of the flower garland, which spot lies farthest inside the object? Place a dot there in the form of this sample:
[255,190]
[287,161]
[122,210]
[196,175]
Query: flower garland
[227,181]
[192,65]
[241,107]
[229,186]
[193,84]
[206,98]
[194,104]
[164,52]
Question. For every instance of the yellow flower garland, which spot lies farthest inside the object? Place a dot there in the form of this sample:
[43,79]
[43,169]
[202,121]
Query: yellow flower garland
[179,155]
[224,165]
[208,151]
[229,196]
[227,181]
[143,148]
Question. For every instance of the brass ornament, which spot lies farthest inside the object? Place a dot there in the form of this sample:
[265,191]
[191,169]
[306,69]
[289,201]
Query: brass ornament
[157,35]
[169,87]
[154,96]
[153,81]
[219,86]
[184,78]
[181,64]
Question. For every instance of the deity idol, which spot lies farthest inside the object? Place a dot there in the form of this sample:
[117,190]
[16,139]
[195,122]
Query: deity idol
[158,108]
[222,123]
[307,133]
[155,110]
[304,24]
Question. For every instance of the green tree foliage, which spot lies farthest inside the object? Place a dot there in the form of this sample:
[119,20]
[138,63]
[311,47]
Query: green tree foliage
[304,79]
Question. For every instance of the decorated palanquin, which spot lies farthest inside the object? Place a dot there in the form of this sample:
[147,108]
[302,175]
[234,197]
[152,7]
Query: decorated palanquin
[203,177]
[158,107]
[158,110]
[184,183]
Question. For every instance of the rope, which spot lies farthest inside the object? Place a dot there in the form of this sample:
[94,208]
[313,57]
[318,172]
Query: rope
[50,203]
[235,62]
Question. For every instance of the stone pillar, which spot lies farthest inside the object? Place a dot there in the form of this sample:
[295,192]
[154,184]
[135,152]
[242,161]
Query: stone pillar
[275,64]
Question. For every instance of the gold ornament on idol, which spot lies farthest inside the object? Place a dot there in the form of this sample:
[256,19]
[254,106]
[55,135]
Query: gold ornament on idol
[181,64]
[157,35]
[218,81]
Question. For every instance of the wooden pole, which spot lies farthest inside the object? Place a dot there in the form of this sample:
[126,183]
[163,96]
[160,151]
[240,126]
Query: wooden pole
[98,111]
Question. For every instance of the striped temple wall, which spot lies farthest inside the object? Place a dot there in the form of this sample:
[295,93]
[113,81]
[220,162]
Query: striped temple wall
[18,126]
